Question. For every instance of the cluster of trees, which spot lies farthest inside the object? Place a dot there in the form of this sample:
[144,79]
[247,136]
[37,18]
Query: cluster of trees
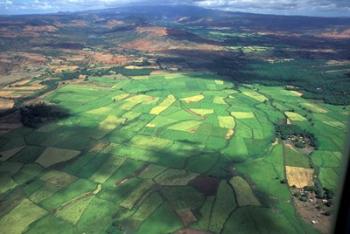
[95,72]
[321,193]
[299,137]
[71,75]
[132,72]
[36,114]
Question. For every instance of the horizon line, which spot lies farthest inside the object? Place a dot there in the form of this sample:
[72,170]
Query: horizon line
[170,5]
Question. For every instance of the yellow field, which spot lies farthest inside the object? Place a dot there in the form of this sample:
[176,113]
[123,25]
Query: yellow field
[244,194]
[190,126]
[202,112]
[226,122]
[256,96]
[293,116]
[219,100]
[52,156]
[299,177]
[163,105]
[196,98]
[243,115]
[111,122]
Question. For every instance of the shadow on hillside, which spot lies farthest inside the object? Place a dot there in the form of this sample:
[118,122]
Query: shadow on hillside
[37,114]
[121,183]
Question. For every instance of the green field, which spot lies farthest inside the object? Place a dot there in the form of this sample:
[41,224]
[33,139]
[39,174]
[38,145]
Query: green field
[128,157]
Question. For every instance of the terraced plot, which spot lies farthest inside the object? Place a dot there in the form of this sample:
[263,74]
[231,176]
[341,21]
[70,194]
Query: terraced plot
[139,156]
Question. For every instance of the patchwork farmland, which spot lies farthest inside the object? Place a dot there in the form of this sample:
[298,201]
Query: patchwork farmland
[168,153]
[171,119]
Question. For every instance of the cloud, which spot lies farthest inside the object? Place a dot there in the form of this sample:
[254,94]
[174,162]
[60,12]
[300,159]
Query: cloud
[312,7]
[306,7]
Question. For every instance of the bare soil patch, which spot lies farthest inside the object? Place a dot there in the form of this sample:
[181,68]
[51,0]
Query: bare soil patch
[152,45]
[311,210]
[6,104]
[157,31]
[108,58]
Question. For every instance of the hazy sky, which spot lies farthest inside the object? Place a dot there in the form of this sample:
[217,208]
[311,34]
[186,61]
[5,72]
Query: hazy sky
[299,7]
